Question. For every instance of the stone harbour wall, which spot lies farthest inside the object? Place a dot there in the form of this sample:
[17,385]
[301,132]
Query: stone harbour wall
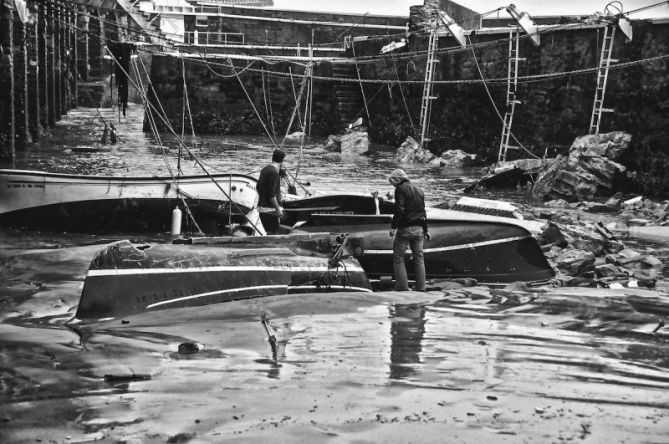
[220,105]
[556,88]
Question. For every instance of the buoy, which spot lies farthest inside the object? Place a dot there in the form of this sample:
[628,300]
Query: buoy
[176,222]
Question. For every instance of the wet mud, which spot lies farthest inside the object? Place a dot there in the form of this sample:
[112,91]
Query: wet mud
[461,364]
[566,364]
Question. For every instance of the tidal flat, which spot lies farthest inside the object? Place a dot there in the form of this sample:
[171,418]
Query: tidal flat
[456,364]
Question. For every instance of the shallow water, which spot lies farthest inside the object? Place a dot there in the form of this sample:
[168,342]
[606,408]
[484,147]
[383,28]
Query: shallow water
[138,153]
[572,365]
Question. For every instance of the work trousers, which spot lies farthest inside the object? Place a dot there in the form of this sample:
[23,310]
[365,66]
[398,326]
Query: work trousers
[405,238]
[271,222]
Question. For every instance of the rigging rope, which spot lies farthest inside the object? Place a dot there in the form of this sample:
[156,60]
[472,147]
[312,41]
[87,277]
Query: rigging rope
[362,90]
[523,79]
[492,101]
[154,128]
[196,158]
[404,100]
[190,114]
[297,102]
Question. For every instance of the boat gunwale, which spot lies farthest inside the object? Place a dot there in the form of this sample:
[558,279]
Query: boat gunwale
[83,177]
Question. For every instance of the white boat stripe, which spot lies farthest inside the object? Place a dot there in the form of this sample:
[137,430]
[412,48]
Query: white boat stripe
[259,287]
[456,247]
[212,293]
[131,271]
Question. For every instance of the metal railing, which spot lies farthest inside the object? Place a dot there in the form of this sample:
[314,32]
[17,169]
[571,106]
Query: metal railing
[213,38]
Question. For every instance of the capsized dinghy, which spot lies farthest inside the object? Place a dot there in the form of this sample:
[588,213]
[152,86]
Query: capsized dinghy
[489,248]
[125,279]
[462,245]
[97,204]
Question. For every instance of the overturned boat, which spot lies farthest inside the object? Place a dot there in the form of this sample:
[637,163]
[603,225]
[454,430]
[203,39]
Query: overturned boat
[103,204]
[124,279]
[486,247]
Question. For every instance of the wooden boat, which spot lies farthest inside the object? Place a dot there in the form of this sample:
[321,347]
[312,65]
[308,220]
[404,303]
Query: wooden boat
[299,209]
[94,204]
[485,247]
[125,279]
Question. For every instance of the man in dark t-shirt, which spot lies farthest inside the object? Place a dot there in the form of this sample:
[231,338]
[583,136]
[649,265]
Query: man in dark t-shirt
[269,193]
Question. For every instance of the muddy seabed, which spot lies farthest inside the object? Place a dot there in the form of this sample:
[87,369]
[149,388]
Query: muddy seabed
[574,364]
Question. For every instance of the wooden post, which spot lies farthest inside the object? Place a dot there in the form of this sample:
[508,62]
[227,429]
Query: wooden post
[44,67]
[83,63]
[57,75]
[51,38]
[8,147]
[25,105]
[74,46]
[62,67]
[33,57]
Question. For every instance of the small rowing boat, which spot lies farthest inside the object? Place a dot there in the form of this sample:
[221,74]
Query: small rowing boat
[489,248]
[124,279]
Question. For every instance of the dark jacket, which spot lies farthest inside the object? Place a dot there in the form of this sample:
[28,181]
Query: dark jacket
[269,186]
[409,206]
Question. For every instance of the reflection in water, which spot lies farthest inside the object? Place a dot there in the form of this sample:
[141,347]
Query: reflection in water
[407,329]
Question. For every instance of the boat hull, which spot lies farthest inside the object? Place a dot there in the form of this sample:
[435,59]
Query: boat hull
[300,209]
[95,204]
[487,250]
[124,279]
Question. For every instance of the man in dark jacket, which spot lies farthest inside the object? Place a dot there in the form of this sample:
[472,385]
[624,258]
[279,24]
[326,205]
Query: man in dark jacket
[409,228]
[269,193]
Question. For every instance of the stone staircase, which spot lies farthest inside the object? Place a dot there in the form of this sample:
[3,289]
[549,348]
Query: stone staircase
[349,97]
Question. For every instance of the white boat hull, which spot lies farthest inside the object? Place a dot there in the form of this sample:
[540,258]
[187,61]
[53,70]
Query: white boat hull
[33,199]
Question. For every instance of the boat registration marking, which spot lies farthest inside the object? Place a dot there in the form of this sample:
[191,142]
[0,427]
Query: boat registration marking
[131,271]
[213,293]
[456,247]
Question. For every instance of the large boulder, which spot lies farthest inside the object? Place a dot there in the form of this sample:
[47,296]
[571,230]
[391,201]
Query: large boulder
[575,262]
[586,172]
[332,144]
[354,142]
[411,152]
[610,145]
[454,159]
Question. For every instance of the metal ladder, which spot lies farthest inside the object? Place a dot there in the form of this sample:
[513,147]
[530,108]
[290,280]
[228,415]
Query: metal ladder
[426,104]
[511,88]
[602,77]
